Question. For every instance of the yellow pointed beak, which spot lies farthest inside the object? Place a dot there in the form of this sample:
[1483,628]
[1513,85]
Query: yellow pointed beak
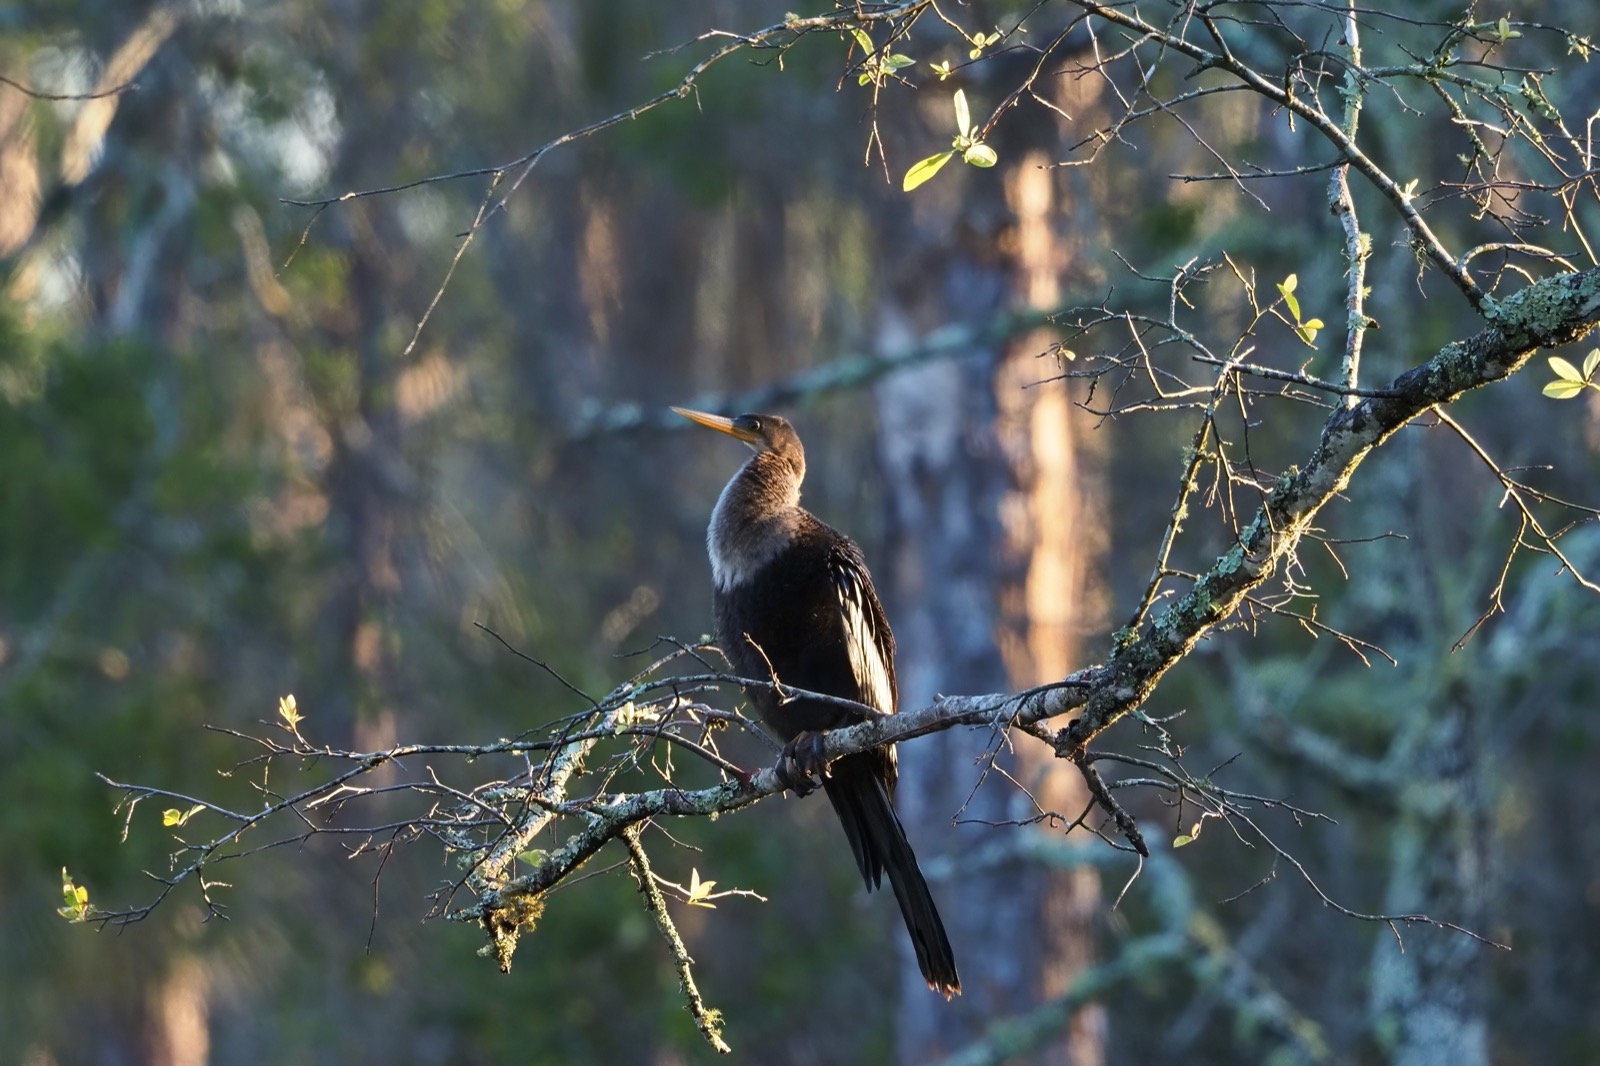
[718,423]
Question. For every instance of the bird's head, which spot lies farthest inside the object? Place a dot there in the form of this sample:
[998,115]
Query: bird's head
[765,435]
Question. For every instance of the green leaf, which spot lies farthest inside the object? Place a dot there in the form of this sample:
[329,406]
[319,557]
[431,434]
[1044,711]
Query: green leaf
[980,155]
[924,169]
[863,79]
[289,712]
[74,899]
[898,62]
[941,68]
[1565,370]
[1563,390]
[1591,363]
[700,891]
[1308,330]
[1181,839]
[862,39]
[1286,290]
[173,816]
[963,116]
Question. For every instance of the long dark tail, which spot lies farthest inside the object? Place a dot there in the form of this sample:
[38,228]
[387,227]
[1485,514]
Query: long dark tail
[855,786]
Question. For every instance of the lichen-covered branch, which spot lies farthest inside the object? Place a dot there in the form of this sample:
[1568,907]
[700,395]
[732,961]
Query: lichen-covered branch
[1548,313]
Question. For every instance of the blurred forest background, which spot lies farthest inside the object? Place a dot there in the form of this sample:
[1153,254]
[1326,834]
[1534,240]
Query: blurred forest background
[226,474]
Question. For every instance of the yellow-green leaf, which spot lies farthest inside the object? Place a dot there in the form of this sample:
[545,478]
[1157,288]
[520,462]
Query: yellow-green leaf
[963,116]
[74,899]
[1563,389]
[700,891]
[1286,290]
[924,169]
[173,816]
[1181,839]
[1565,370]
[1591,363]
[980,155]
[862,39]
[289,711]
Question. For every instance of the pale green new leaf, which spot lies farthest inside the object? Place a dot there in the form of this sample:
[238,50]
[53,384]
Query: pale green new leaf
[1286,290]
[1565,370]
[924,169]
[1563,390]
[963,116]
[1591,363]
[700,891]
[980,155]
[74,899]
[173,816]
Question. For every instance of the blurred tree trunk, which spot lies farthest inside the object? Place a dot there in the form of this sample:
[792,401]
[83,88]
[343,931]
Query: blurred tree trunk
[991,487]
[1428,1000]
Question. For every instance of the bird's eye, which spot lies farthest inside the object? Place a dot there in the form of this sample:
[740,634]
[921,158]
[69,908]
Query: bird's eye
[755,425]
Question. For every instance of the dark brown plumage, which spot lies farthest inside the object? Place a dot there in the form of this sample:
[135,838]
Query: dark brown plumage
[795,604]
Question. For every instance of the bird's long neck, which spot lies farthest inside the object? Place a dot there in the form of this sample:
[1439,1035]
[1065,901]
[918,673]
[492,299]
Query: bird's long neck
[757,516]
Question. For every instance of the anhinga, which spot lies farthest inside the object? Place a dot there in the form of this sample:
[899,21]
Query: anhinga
[795,606]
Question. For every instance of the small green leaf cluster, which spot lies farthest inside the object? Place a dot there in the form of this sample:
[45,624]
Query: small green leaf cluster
[980,41]
[1503,31]
[74,899]
[967,144]
[700,891]
[1306,329]
[1569,380]
[174,817]
[875,67]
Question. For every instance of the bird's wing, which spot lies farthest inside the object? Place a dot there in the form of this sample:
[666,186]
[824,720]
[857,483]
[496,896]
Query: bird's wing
[866,631]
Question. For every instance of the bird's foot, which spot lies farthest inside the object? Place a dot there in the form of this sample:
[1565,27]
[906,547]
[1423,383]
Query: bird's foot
[802,762]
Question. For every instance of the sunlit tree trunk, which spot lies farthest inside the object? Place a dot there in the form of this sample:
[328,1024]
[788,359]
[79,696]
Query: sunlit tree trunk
[996,501]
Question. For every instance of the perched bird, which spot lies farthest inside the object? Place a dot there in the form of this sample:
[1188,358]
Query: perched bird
[795,606]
